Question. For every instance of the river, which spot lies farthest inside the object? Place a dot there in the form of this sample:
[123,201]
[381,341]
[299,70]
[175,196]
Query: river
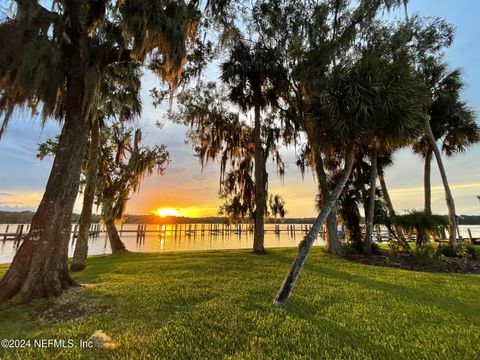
[163,240]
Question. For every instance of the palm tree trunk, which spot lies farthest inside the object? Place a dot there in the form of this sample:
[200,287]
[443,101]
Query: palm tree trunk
[427,167]
[391,210]
[332,236]
[448,194]
[260,196]
[306,245]
[81,246]
[386,195]
[367,244]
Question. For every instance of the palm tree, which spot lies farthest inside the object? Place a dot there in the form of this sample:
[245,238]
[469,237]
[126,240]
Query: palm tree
[349,203]
[252,74]
[277,206]
[313,35]
[394,103]
[216,132]
[365,99]
[449,121]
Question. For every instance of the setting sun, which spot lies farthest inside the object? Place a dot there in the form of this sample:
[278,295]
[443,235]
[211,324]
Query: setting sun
[167,212]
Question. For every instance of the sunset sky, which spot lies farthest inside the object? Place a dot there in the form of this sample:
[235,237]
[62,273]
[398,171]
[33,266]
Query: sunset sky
[194,193]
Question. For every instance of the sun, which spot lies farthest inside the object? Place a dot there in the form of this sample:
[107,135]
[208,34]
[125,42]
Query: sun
[163,212]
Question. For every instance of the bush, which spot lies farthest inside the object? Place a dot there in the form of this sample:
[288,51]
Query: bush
[445,250]
[348,248]
[394,248]
[426,255]
[376,249]
[464,251]
[473,251]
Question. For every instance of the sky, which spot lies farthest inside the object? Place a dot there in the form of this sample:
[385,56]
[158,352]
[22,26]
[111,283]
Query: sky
[195,192]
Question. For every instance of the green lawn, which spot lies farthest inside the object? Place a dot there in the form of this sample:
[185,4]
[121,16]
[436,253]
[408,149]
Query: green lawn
[218,304]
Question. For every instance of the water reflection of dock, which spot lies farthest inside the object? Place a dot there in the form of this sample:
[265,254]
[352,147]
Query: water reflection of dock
[192,229]
[18,232]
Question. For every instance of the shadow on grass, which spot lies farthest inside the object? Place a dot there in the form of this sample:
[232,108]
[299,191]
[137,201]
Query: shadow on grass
[439,299]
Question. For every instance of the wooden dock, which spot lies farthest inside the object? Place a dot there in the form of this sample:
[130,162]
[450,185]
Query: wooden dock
[22,230]
[18,232]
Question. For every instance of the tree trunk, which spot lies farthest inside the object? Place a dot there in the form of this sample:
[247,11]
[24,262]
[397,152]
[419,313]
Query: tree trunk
[260,196]
[81,246]
[108,215]
[391,210]
[333,246]
[332,235]
[426,181]
[115,243]
[306,245]
[39,268]
[448,194]
[386,195]
[367,244]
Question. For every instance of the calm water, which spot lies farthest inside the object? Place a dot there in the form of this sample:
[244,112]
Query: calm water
[168,241]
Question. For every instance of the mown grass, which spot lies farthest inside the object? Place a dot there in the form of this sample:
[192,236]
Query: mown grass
[211,305]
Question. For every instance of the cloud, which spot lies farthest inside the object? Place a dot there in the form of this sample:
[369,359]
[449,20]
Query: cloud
[438,188]
[17,200]
[20,208]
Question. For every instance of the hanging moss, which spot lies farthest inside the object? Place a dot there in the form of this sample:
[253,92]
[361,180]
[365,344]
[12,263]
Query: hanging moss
[162,29]
[34,70]
[26,73]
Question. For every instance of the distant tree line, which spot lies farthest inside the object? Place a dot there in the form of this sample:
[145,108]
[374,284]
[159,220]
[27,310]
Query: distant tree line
[24,217]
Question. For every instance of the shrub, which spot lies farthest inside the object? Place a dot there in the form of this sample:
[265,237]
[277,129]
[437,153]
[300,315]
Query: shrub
[468,251]
[473,251]
[426,255]
[464,251]
[394,248]
[376,249]
[348,248]
[445,250]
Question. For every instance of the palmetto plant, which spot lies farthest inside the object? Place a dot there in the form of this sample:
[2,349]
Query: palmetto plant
[423,223]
